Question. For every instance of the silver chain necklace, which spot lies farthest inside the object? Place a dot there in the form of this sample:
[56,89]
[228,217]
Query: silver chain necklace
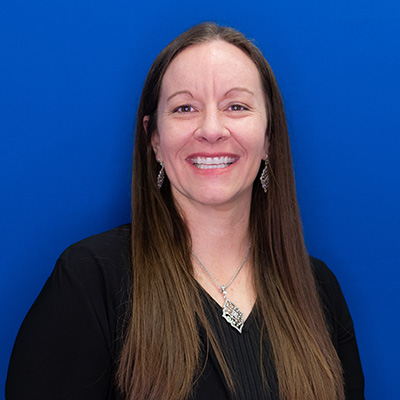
[230,312]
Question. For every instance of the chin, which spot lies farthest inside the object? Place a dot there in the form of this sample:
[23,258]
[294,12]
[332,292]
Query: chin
[221,199]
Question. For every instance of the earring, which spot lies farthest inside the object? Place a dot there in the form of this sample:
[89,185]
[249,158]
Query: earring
[161,175]
[264,176]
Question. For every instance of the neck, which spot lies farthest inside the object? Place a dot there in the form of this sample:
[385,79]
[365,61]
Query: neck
[220,236]
[220,239]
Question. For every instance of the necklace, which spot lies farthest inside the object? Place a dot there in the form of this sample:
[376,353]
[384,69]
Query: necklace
[230,311]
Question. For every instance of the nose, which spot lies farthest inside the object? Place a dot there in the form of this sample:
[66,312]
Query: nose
[211,127]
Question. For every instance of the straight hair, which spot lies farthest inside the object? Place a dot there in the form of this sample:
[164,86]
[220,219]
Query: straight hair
[160,358]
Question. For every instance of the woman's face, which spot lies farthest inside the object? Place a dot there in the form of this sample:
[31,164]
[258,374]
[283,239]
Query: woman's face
[211,127]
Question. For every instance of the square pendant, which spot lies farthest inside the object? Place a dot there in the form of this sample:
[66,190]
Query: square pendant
[233,315]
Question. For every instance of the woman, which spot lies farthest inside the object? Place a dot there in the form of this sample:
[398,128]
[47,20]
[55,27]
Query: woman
[210,294]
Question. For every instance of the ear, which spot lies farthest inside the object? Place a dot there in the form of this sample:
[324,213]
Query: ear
[155,137]
[155,143]
[266,147]
[146,119]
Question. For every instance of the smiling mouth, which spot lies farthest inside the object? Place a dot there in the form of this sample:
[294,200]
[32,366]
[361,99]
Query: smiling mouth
[212,162]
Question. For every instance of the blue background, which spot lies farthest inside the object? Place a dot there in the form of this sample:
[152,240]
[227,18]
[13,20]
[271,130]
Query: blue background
[71,73]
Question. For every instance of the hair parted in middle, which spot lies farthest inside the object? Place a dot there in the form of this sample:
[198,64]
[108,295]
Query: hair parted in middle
[161,354]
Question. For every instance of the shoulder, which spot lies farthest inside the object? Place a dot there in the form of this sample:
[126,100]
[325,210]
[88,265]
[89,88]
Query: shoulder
[327,284]
[334,304]
[321,271]
[341,329]
[111,244]
[110,250]
[97,264]
[71,338]
[92,279]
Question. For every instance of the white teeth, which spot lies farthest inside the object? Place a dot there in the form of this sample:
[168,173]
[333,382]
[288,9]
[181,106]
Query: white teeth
[212,162]
[211,166]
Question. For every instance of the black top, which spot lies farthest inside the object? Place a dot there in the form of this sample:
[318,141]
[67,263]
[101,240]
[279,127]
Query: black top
[68,344]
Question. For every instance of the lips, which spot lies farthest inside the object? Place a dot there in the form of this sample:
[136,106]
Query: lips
[212,162]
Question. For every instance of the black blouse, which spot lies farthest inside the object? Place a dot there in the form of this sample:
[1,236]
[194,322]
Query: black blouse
[69,343]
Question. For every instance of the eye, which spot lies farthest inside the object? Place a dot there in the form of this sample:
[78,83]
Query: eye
[237,107]
[184,109]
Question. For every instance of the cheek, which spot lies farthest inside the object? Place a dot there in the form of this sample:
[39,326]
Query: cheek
[170,144]
[263,141]
[254,139]
[165,136]
[173,137]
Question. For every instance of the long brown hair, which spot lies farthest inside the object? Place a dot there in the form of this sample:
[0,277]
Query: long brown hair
[160,357]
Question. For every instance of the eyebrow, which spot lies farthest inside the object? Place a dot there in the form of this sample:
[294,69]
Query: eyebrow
[241,89]
[178,93]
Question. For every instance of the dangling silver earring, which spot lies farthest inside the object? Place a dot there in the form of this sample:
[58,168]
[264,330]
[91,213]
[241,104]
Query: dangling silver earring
[161,175]
[264,179]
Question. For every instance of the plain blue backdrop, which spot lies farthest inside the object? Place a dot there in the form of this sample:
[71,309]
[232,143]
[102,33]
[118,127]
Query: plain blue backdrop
[71,73]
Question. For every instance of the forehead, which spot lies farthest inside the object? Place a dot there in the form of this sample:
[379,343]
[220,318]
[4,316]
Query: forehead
[216,63]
